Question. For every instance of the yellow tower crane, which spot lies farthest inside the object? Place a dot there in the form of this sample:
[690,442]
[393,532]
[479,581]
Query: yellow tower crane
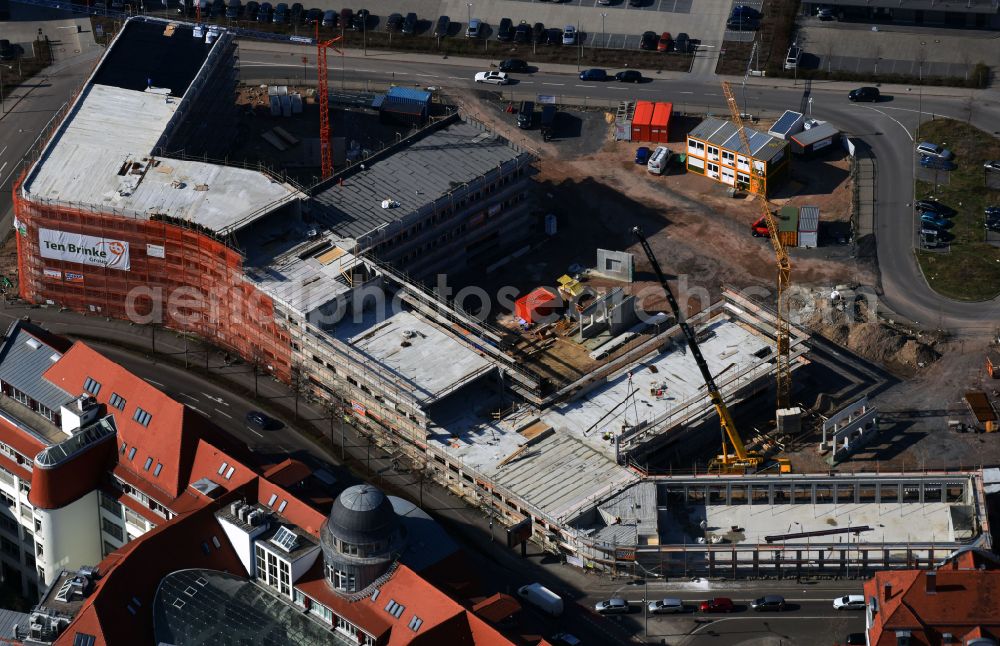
[757,186]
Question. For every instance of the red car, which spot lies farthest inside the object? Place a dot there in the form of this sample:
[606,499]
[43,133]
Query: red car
[664,43]
[718,604]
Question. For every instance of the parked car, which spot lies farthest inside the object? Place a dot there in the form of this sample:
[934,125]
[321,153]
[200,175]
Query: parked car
[649,40]
[992,166]
[744,11]
[475,28]
[769,602]
[667,606]
[526,115]
[613,606]
[629,76]
[523,33]
[742,23]
[718,604]
[505,30]
[642,155]
[394,22]
[218,8]
[264,13]
[297,12]
[825,13]
[538,33]
[565,639]
[513,65]
[250,10]
[361,19]
[849,602]
[346,18]
[495,78]
[233,9]
[409,26]
[933,150]
[933,206]
[682,44]
[936,163]
[553,36]
[864,94]
[593,74]
[793,56]
[855,639]
[280,13]
[547,121]
[934,220]
[441,27]
[663,45]
[542,598]
[569,35]
[312,16]
[329,18]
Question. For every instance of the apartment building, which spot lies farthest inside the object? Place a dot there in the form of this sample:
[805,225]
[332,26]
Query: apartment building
[715,150]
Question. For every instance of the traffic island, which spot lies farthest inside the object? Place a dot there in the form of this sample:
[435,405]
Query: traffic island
[968,269]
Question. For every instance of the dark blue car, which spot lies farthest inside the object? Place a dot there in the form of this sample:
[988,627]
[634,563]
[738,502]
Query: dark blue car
[641,155]
[936,163]
[593,75]
[934,220]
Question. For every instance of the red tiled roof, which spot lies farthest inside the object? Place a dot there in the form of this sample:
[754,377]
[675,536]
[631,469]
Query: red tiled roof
[360,613]
[497,608]
[163,440]
[287,473]
[18,440]
[55,487]
[295,510]
[965,598]
[136,571]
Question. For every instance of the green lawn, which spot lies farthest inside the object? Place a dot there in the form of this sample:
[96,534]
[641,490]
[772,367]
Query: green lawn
[971,270]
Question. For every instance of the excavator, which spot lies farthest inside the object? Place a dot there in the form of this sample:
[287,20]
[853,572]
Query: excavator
[740,461]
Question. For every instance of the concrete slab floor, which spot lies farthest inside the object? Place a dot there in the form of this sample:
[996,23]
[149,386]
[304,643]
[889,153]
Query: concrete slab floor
[893,523]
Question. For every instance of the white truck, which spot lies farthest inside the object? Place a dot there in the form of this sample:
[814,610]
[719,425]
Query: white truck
[542,598]
[659,160]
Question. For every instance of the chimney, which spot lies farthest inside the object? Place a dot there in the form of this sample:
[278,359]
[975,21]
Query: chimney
[931,578]
[887,594]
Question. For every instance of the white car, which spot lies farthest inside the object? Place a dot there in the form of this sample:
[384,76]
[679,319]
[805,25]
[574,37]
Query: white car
[613,606]
[934,150]
[569,35]
[992,165]
[496,78]
[849,602]
[793,57]
[665,606]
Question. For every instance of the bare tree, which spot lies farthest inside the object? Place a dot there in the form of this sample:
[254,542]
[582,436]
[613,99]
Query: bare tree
[877,54]
[828,49]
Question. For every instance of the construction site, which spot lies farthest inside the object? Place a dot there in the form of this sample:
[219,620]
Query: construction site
[588,407]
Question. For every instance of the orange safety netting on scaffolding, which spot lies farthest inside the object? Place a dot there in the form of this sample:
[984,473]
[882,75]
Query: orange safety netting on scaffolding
[163,274]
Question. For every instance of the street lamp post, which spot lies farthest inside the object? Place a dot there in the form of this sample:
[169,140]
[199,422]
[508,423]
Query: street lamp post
[604,35]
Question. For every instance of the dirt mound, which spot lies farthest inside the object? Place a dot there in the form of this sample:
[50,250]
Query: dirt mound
[880,342]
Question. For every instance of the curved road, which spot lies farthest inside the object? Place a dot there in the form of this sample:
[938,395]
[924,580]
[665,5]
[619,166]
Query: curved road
[888,127]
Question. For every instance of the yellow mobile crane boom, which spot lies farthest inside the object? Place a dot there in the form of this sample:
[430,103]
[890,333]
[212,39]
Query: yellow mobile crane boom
[739,461]
[784,370]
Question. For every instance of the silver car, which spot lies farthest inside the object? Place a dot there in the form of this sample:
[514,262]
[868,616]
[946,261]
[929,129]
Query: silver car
[614,606]
[665,606]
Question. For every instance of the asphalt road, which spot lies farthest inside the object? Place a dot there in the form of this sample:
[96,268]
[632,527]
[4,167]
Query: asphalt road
[888,127]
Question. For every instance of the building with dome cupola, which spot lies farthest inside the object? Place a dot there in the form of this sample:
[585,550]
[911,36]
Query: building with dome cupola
[361,539]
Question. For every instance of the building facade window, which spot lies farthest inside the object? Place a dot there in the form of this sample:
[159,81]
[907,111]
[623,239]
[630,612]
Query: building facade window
[273,571]
[112,529]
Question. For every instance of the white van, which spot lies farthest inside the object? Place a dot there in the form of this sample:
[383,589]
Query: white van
[658,161]
[542,598]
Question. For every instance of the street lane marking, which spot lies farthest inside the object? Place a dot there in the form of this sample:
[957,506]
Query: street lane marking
[217,400]
[254,432]
[457,78]
[3,167]
[155,383]
[559,84]
[905,129]
[586,86]
[4,150]
[223,414]
[755,617]
[197,410]
[685,93]
[194,399]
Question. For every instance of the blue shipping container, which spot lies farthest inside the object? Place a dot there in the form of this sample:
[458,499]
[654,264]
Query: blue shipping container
[410,94]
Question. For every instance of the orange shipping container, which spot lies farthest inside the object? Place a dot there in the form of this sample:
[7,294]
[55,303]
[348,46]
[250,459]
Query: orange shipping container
[789,238]
[640,121]
[659,126]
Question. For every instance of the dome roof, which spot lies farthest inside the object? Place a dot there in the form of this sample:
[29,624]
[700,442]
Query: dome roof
[362,514]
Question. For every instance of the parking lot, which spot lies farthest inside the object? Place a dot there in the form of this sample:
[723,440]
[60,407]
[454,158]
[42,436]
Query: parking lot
[894,49]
